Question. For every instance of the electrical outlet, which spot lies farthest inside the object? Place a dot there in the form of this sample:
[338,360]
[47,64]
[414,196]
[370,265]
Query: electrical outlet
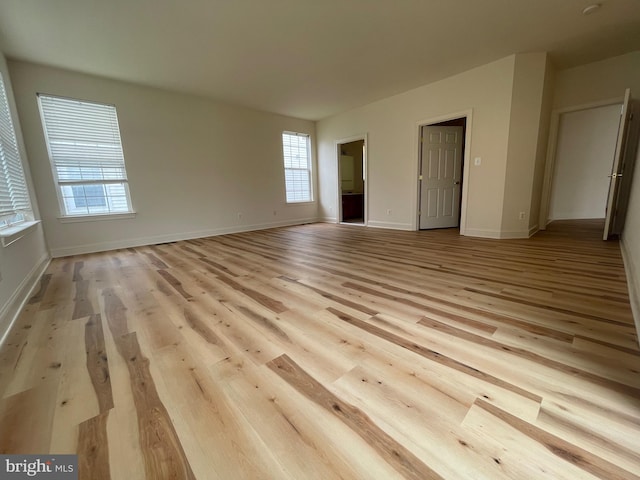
[477,161]
[522,215]
[388,211]
[239,215]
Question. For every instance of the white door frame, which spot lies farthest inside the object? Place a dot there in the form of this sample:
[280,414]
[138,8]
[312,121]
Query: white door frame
[468,115]
[552,146]
[365,174]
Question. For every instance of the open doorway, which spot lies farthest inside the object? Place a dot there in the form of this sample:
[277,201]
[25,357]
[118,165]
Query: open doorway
[589,149]
[441,164]
[351,181]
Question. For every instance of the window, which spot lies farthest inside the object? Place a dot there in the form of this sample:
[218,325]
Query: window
[84,145]
[297,167]
[15,206]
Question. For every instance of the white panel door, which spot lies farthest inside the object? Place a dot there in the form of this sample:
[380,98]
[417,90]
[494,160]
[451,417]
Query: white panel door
[621,170]
[440,176]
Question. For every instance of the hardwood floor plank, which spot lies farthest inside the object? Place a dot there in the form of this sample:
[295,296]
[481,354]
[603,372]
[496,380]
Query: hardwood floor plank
[26,418]
[433,355]
[93,448]
[335,298]
[214,421]
[588,435]
[459,306]
[175,283]
[590,344]
[572,312]
[162,451]
[76,399]
[40,357]
[420,423]
[161,448]
[115,315]
[44,283]
[98,363]
[561,448]
[394,453]
[631,390]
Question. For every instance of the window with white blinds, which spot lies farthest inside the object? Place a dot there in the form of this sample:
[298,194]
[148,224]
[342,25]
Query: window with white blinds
[86,155]
[297,167]
[14,196]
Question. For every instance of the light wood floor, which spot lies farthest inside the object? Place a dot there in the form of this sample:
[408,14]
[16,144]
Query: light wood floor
[327,352]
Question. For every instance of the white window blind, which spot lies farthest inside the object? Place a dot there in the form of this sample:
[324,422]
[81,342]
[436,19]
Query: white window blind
[297,167]
[86,155]
[14,196]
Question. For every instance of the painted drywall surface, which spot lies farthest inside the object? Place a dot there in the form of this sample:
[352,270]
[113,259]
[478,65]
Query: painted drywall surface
[586,142]
[543,143]
[392,126]
[22,261]
[522,154]
[597,81]
[196,167]
[631,242]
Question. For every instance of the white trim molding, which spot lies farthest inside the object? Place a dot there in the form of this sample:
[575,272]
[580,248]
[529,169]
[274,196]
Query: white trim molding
[14,233]
[466,161]
[11,310]
[174,237]
[390,225]
[365,174]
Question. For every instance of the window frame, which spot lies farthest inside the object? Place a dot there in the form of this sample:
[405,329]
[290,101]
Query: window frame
[62,185]
[308,169]
[13,181]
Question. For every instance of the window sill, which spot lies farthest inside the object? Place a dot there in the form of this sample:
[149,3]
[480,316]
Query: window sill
[12,234]
[304,202]
[97,218]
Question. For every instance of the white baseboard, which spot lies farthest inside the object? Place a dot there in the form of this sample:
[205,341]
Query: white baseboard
[174,237]
[512,234]
[389,225]
[11,310]
[476,232]
[501,234]
[633,274]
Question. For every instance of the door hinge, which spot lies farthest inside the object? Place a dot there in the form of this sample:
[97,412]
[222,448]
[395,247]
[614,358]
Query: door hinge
[420,177]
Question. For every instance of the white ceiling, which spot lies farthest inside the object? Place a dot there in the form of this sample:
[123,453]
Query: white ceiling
[306,58]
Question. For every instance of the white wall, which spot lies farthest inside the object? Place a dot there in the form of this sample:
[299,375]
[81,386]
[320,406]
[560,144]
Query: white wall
[193,164]
[22,262]
[543,140]
[597,81]
[631,243]
[392,126]
[584,154]
[523,155]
